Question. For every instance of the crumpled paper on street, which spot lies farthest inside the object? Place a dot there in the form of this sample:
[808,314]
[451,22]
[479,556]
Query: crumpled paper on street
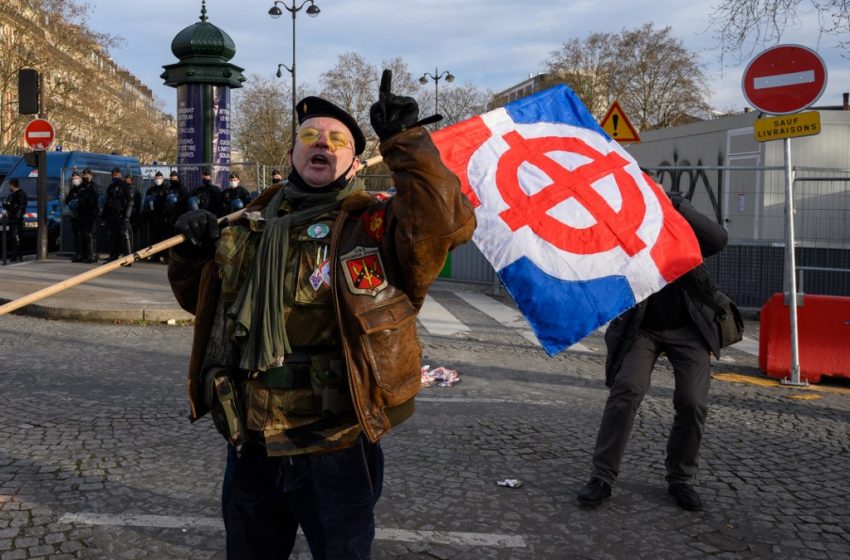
[440,376]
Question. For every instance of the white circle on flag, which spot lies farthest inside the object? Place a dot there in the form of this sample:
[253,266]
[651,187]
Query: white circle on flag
[502,246]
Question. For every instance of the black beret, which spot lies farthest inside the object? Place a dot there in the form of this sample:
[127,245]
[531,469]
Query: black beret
[158,174]
[234,176]
[116,170]
[310,107]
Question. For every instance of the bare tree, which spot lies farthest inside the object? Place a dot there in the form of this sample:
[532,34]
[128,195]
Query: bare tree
[742,26]
[353,85]
[261,121]
[457,103]
[89,107]
[586,67]
[655,79]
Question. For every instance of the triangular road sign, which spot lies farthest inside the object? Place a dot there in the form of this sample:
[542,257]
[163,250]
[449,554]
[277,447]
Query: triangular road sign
[618,126]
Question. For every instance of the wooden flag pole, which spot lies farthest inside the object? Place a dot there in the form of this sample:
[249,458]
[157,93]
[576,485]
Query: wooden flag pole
[118,263]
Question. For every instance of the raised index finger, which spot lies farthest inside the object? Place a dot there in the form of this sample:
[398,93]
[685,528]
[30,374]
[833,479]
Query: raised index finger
[386,83]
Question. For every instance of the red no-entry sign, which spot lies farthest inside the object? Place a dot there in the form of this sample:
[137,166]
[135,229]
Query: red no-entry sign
[39,134]
[784,79]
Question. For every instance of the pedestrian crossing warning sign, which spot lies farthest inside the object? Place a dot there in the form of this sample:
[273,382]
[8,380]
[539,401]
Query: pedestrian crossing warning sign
[617,125]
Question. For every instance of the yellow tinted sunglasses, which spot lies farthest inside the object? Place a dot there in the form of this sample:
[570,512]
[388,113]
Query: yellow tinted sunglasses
[337,140]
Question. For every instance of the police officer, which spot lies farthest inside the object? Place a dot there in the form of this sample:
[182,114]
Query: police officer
[116,216]
[81,200]
[15,206]
[154,209]
[176,201]
[236,196]
[208,196]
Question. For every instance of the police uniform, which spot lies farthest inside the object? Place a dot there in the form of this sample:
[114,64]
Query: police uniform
[15,206]
[235,198]
[82,203]
[208,196]
[116,216]
[154,210]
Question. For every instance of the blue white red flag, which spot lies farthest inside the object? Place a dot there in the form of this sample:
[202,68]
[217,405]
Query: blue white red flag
[576,231]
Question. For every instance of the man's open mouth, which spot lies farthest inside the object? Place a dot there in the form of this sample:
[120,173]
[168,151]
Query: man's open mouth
[319,159]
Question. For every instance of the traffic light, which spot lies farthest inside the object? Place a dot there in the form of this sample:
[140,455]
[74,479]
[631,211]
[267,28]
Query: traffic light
[29,90]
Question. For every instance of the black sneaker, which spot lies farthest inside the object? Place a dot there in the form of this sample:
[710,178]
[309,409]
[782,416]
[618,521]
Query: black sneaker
[594,492]
[686,497]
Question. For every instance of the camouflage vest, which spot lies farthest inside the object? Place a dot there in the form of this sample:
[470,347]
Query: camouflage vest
[312,382]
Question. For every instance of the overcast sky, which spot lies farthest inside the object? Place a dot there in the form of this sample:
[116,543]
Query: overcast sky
[490,43]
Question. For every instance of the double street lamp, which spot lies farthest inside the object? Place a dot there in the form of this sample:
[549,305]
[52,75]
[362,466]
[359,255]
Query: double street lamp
[436,76]
[275,12]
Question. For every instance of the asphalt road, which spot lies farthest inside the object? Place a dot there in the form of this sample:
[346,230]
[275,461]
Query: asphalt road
[98,460]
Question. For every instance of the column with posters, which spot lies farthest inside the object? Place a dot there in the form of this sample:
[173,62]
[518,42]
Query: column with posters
[220,134]
[190,128]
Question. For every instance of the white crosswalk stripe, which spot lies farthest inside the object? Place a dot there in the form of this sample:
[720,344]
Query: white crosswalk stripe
[439,321]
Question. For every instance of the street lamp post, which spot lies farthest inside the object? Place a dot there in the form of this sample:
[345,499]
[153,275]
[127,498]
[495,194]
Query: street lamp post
[275,12]
[436,76]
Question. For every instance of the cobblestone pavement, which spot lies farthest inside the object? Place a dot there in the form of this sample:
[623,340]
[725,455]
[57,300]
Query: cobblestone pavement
[98,461]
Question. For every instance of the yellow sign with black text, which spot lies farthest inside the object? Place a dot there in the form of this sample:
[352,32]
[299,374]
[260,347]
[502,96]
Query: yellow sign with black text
[787,126]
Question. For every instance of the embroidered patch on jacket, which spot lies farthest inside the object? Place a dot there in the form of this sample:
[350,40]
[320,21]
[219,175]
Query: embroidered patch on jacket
[364,270]
[375,223]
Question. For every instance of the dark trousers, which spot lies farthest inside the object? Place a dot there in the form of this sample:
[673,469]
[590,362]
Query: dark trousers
[119,232]
[84,242]
[332,496]
[689,356]
[14,241]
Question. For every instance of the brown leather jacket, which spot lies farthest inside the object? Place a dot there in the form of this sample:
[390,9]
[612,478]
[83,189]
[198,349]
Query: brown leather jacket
[410,234]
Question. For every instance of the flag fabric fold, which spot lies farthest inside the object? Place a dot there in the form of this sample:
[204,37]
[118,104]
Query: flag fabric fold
[576,231]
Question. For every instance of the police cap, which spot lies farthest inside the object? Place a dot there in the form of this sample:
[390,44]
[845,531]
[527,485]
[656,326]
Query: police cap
[312,106]
[74,174]
[158,174]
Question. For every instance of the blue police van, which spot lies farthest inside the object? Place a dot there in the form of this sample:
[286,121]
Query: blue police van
[6,165]
[60,165]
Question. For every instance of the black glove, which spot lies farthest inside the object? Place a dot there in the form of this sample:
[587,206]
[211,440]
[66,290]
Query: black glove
[392,113]
[200,227]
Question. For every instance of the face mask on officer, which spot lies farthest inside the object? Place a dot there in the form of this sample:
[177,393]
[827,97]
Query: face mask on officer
[76,181]
[158,181]
[234,183]
[206,181]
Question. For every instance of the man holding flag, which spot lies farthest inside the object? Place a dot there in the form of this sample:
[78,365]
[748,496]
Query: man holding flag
[677,321]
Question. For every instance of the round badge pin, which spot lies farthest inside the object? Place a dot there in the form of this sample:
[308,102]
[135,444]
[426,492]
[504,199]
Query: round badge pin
[318,231]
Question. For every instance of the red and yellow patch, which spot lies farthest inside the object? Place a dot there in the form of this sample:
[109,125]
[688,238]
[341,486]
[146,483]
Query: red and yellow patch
[375,223]
[364,270]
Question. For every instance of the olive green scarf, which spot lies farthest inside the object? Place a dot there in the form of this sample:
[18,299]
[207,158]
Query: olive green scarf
[258,312]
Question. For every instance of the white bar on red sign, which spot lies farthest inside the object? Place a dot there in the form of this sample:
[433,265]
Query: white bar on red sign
[38,134]
[779,80]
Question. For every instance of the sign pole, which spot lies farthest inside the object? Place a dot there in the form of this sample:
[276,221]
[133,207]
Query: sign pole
[791,269]
[41,190]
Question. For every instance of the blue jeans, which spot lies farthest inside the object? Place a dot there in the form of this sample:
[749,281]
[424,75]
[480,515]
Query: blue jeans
[332,496]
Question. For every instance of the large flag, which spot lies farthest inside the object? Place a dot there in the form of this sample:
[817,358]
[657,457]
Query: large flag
[576,231]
